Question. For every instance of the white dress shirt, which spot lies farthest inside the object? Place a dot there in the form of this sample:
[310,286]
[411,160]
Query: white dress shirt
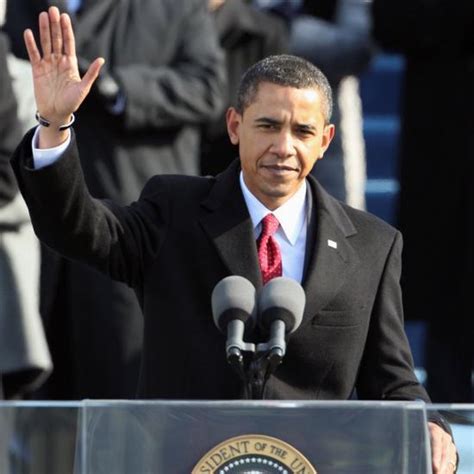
[292,216]
[46,156]
[291,235]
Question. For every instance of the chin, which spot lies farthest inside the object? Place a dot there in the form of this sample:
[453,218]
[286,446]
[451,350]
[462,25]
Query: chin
[278,192]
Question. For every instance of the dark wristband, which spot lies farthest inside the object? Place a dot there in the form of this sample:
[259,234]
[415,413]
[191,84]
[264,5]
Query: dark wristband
[46,123]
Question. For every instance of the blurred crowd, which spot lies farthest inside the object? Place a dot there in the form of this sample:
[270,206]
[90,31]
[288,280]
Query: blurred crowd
[172,68]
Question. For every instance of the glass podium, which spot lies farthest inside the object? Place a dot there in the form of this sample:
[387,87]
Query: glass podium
[207,437]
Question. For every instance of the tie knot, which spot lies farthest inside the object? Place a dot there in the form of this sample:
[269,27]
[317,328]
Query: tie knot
[269,225]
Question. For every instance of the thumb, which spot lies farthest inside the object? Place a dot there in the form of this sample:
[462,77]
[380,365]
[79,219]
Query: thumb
[92,73]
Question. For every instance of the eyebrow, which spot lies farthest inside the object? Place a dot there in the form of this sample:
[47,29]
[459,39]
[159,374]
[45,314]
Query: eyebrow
[268,120]
[271,121]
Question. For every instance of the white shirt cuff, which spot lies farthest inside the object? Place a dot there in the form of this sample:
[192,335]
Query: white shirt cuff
[47,156]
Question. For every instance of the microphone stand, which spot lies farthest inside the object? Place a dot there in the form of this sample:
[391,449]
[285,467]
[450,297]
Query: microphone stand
[235,349]
[269,357]
[256,379]
[255,371]
[260,369]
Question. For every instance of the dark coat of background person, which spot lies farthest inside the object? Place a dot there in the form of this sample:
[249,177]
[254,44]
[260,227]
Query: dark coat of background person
[335,36]
[246,35]
[9,137]
[341,52]
[165,57]
[24,357]
[187,233]
[437,166]
[10,134]
[341,46]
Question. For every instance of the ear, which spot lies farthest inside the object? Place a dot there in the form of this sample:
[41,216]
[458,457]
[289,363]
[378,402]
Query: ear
[233,119]
[328,135]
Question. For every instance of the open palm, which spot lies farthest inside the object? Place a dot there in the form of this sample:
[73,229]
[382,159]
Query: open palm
[59,89]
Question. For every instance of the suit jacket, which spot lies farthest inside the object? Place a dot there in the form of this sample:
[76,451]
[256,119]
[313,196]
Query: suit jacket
[185,234]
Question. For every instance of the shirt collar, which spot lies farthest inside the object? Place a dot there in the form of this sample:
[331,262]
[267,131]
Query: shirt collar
[291,215]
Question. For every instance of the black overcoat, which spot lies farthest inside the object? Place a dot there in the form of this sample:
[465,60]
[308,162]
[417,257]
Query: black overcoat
[436,151]
[185,234]
[436,170]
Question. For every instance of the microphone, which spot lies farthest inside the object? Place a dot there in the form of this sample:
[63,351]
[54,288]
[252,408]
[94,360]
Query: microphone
[233,303]
[281,305]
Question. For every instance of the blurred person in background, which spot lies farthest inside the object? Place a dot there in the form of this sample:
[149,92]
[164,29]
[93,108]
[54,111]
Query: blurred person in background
[436,209]
[335,35]
[246,35]
[163,79]
[24,358]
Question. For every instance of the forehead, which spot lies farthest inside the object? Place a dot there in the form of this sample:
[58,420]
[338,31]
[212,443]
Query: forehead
[279,99]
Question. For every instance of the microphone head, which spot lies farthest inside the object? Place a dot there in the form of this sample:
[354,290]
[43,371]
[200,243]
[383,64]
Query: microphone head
[281,298]
[233,298]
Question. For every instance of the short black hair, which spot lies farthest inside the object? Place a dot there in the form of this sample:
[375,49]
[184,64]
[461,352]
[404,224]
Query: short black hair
[284,70]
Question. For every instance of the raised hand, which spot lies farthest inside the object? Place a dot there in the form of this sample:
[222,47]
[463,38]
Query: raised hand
[59,89]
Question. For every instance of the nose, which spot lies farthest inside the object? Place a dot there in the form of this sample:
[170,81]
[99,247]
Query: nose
[283,144]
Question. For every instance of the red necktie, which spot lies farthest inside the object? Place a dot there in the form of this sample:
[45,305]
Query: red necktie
[269,255]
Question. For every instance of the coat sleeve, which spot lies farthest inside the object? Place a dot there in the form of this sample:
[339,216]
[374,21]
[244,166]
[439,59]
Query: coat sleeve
[118,241]
[386,371]
[189,90]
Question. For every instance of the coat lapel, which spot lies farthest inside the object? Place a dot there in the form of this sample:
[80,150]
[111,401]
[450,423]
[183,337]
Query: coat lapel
[228,224]
[331,257]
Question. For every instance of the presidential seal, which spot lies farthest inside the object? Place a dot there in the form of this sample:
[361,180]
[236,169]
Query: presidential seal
[253,454]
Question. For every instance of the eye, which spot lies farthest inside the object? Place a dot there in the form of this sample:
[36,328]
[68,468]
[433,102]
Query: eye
[305,132]
[268,126]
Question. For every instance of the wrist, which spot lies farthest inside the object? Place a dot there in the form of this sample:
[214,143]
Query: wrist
[53,132]
[57,123]
[51,137]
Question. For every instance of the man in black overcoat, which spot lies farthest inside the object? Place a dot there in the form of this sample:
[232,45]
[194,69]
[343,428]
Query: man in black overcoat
[186,234]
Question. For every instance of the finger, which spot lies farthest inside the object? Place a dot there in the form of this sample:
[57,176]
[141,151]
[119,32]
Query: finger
[56,33]
[68,35]
[451,456]
[45,34]
[31,47]
[443,464]
[91,75]
[436,450]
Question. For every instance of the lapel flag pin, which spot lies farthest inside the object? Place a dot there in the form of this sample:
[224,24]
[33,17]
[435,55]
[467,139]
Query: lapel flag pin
[332,244]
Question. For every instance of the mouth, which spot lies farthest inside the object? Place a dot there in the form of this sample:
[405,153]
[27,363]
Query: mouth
[280,169]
